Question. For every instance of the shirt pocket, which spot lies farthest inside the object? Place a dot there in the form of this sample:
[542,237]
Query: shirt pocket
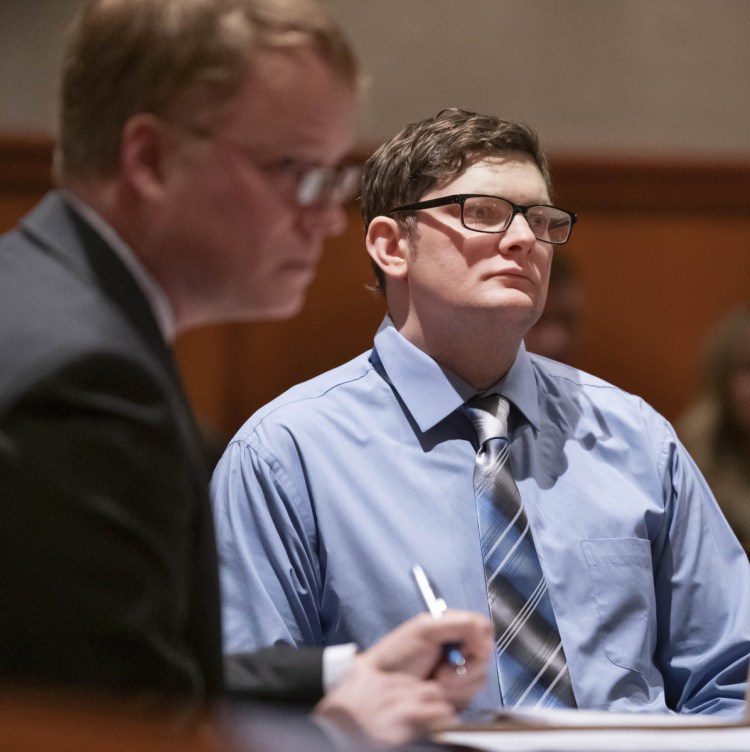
[623,587]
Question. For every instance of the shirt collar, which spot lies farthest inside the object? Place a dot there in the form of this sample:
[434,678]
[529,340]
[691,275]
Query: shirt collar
[519,387]
[431,392]
[154,294]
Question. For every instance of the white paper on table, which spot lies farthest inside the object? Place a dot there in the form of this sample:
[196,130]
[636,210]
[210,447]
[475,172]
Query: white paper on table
[605,718]
[558,730]
[664,739]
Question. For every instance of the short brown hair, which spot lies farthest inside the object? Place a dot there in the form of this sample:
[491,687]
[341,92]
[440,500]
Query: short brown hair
[162,56]
[434,151]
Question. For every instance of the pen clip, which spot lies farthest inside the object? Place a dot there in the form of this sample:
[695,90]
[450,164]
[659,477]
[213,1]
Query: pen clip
[435,605]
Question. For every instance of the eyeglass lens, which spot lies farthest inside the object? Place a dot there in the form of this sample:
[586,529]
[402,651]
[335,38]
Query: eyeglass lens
[486,214]
[321,184]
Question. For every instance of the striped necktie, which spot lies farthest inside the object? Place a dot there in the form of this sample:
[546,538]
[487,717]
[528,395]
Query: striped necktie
[531,664]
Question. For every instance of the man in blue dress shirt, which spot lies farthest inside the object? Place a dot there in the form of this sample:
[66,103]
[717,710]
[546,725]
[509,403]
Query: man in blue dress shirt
[329,494]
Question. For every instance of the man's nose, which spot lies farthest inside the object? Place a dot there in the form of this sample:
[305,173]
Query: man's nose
[518,236]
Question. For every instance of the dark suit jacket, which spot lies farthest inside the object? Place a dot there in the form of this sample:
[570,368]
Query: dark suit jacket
[108,575]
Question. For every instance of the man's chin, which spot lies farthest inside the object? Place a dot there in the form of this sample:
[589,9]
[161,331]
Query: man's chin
[278,309]
[511,301]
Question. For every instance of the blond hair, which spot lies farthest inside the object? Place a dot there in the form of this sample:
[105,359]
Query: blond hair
[167,57]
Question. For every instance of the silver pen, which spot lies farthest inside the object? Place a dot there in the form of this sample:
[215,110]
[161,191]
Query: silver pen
[437,606]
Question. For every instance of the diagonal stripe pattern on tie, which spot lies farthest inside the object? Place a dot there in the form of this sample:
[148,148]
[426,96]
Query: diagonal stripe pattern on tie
[531,664]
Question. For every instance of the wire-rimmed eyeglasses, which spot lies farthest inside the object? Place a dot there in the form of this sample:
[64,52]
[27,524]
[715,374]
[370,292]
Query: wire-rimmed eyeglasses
[313,184]
[307,184]
[493,214]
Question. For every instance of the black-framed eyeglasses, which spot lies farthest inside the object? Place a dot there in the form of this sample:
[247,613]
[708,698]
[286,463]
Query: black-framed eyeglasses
[493,214]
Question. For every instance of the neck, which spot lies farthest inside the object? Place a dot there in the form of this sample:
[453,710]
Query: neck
[478,343]
[103,196]
[479,360]
[126,219]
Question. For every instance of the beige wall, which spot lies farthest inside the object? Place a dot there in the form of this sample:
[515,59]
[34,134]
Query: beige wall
[643,77]
[623,76]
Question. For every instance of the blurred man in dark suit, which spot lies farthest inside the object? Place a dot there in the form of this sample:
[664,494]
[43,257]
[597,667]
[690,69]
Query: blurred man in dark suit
[200,170]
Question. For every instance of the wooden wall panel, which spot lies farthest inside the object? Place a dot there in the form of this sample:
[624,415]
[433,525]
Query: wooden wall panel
[25,174]
[663,250]
[655,286]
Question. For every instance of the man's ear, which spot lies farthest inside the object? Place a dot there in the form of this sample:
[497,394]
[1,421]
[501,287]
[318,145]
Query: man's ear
[145,144]
[388,246]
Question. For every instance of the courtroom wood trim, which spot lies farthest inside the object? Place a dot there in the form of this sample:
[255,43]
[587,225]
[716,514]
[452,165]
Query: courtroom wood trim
[25,163]
[582,183]
[646,184]
[652,186]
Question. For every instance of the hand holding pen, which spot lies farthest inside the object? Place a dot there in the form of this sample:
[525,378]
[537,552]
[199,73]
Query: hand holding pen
[417,647]
[437,607]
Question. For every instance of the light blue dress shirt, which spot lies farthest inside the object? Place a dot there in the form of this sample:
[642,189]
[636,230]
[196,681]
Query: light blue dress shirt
[329,494]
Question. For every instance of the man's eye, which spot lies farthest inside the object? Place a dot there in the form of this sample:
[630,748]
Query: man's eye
[481,212]
[537,221]
[290,166]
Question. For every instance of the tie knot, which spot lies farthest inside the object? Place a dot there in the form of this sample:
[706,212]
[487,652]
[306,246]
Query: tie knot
[489,416]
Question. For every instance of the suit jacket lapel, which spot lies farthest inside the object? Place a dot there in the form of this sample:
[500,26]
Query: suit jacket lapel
[58,229]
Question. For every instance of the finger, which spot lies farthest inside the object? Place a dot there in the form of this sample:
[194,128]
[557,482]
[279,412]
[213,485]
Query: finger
[425,716]
[460,688]
[472,631]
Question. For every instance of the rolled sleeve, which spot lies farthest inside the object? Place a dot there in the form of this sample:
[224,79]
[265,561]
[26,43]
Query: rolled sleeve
[269,577]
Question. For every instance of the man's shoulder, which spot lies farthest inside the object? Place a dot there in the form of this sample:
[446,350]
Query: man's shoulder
[54,319]
[307,402]
[42,279]
[560,382]
[59,317]
[52,296]
[575,378]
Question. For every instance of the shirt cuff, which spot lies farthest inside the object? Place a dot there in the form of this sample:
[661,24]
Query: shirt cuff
[337,660]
